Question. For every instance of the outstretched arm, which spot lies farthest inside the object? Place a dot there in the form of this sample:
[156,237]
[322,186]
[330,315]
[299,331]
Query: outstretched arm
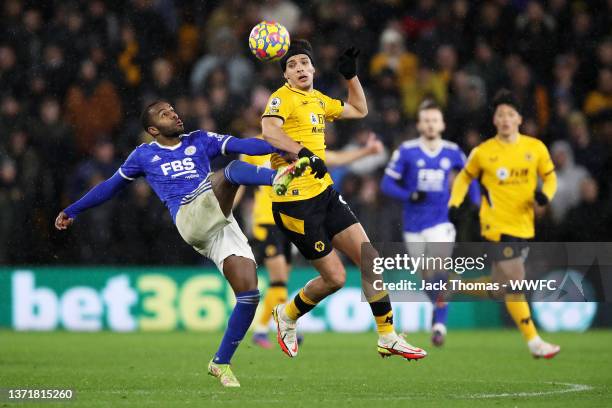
[342,157]
[356,107]
[251,146]
[390,188]
[96,196]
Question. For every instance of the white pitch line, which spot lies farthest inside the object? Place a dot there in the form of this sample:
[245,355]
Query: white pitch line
[571,388]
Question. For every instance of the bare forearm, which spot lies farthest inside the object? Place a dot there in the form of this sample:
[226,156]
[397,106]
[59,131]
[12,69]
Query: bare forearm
[279,139]
[356,96]
[340,158]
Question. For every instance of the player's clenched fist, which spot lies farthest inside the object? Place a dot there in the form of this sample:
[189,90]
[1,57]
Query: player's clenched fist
[62,221]
[317,166]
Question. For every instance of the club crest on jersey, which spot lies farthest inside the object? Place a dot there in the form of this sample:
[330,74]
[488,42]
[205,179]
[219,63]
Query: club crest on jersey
[445,163]
[528,157]
[502,173]
[190,150]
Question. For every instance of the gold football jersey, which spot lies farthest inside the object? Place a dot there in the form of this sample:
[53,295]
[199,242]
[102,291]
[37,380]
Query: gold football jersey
[304,115]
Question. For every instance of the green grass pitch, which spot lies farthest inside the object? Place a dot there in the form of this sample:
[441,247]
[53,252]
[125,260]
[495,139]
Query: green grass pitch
[474,368]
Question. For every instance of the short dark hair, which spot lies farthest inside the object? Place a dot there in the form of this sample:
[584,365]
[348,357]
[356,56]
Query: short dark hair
[428,104]
[505,97]
[297,46]
[146,117]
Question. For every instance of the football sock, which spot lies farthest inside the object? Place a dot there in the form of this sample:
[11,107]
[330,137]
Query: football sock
[519,310]
[300,305]
[241,173]
[237,325]
[276,294]
[383,313]
[440,312]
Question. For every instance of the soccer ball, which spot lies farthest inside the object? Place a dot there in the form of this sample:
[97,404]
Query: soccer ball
[269,41]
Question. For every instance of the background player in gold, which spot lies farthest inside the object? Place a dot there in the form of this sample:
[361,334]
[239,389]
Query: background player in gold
[508,166]
[271,245]
[313,215]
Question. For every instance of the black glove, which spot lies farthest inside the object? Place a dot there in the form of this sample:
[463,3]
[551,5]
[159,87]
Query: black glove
[417,196]
[317,166]
[453,215]
[347,64]
[541,198]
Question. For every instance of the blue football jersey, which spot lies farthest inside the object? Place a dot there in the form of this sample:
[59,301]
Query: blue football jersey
[417,169]
[177,174]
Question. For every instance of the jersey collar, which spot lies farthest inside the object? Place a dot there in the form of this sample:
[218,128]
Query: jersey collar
[428,152]
[518,139]
[176,146]
[297,90]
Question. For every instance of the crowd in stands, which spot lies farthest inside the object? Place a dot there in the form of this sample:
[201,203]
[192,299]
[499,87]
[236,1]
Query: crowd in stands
[74,76]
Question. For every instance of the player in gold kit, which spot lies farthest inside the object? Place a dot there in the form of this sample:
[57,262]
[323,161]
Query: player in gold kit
[272,247]
[508,166]
[313,215]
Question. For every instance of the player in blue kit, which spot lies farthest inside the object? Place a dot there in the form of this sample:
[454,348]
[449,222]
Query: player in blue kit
[177,167]
[419,174]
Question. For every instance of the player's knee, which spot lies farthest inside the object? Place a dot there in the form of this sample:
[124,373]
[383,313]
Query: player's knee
[336,281]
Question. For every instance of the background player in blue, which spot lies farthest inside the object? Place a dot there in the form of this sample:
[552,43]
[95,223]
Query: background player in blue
[419,174]
[177,167]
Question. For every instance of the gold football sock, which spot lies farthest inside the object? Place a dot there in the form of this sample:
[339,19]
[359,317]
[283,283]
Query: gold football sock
[519,310]
[275,295]
[300,305]
[383,313]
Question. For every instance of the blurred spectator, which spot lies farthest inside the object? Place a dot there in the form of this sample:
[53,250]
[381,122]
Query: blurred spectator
[223,54]
[11,118]
[11,76]
[428,84]
[51,135]
[369,164]
[102,164]
[532,96]
[150,28]
[590,219]
[283,11]
[600,99]
[467,107]
[393,56]
[486,65]
[164,85]
[93,107]
[587,153]
[11,198]
[569,177]
[535,37]
[57,72]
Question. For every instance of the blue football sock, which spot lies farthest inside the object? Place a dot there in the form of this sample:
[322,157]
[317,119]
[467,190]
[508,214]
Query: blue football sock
[237,325]
[239,172]
[440,313]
